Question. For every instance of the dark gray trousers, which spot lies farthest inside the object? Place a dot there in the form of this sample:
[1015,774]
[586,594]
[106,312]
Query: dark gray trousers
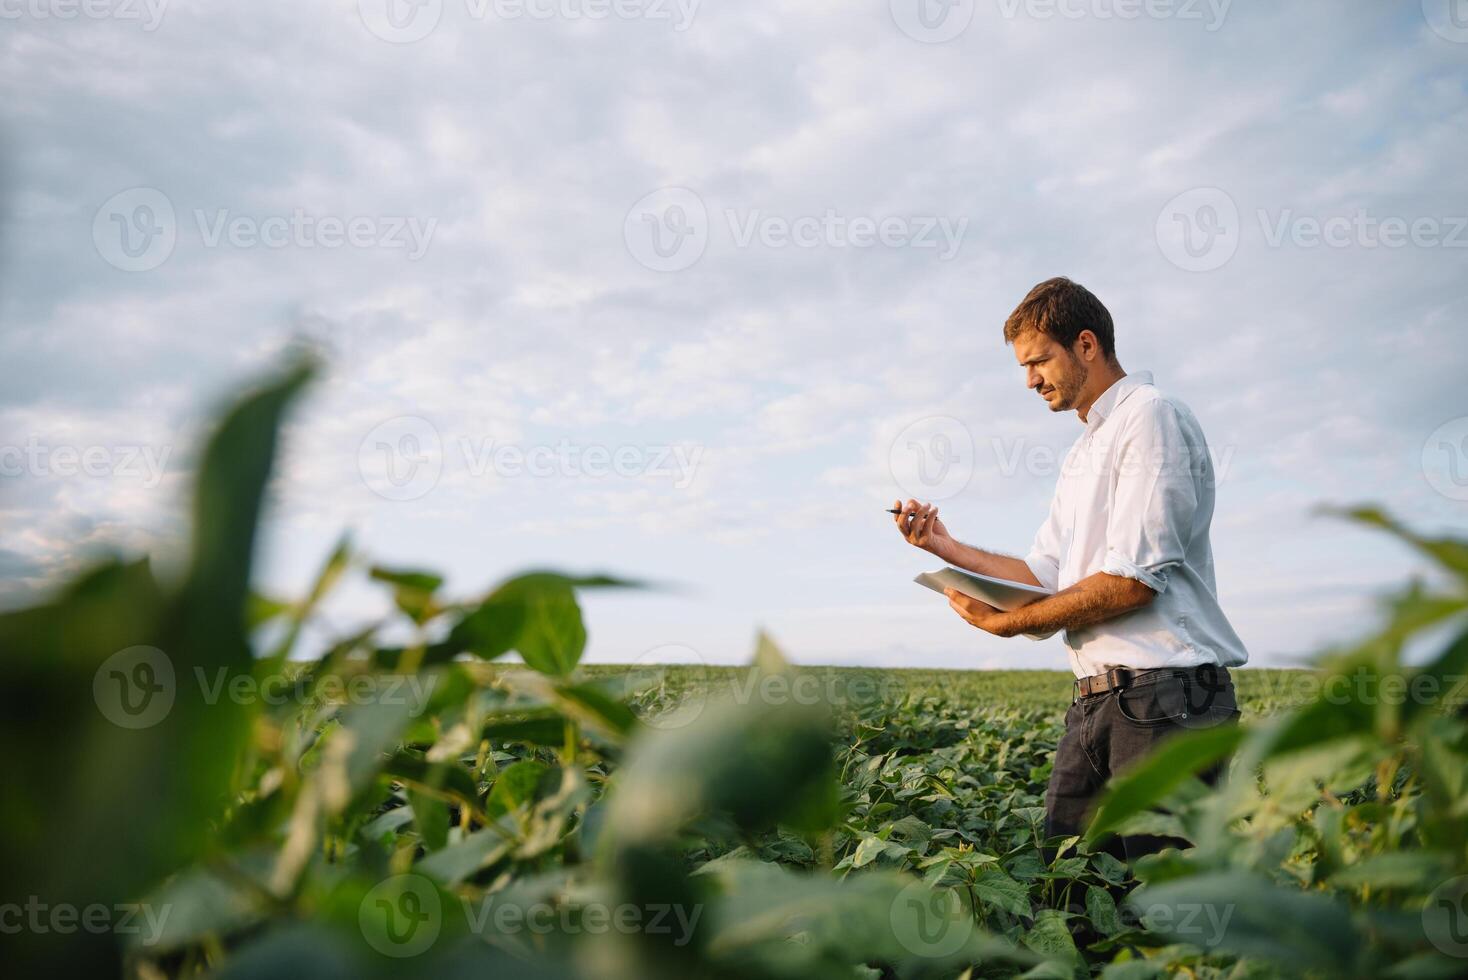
[1107,732]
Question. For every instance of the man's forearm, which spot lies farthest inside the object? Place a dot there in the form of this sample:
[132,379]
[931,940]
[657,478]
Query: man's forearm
[1093,599]
[987,562]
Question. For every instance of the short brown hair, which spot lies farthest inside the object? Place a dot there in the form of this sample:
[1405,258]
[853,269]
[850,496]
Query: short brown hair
[1061,309]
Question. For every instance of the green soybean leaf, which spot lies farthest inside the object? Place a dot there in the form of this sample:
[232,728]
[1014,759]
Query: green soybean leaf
[430,817]
[1101,910]
[413,590]
[867,851]
[1001,891]
[297,613]
[448,780]
[1399,869]
[1150,781]
[1451,553]
[1050,936]
[118,756]
[552,636]
[1248,915]
[463,858]
[515,786]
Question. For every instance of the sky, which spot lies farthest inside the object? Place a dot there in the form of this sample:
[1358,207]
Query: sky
[690,291]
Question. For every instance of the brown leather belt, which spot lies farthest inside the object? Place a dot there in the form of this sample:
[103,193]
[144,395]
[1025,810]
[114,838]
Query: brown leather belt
[1114,678]
[1121,677]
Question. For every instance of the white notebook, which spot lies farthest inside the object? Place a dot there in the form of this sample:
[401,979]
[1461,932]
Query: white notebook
[1001,593]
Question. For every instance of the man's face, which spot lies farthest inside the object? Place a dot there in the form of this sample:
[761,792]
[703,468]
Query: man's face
[1055,373]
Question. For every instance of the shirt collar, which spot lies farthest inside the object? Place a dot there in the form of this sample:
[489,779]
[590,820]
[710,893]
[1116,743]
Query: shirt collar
[1115,395]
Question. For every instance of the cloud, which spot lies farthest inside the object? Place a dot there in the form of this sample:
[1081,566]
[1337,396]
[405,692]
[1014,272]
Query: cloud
[518,145]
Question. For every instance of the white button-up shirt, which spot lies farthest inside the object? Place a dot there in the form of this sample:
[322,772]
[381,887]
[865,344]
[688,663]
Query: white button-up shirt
[1135,498]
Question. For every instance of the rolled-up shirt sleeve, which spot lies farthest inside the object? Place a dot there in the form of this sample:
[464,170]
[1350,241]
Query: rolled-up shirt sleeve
[1044,555]
[1154,498]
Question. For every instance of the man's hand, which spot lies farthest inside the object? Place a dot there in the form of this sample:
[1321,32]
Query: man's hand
[919,524]
[978,613]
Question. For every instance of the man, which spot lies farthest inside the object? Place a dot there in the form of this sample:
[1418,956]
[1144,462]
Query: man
[1125,549]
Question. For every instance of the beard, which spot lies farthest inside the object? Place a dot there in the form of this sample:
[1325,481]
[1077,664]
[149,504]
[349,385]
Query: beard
[1070,385]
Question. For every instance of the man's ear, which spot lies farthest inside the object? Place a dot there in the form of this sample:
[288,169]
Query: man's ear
[1087,346]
